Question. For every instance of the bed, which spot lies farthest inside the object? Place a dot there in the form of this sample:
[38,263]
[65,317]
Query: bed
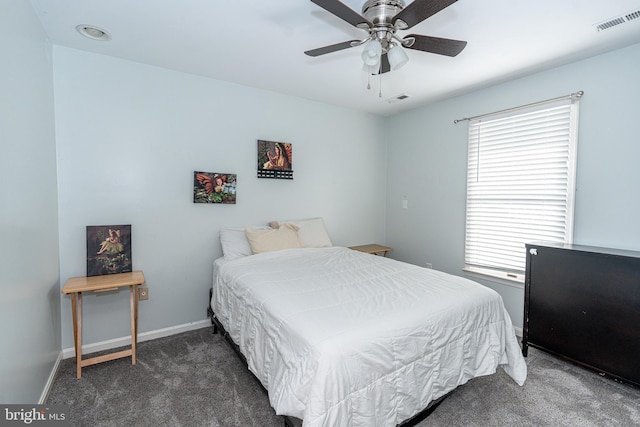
[343,338]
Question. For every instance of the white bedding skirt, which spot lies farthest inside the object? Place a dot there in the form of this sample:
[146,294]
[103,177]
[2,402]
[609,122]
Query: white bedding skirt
[343,338]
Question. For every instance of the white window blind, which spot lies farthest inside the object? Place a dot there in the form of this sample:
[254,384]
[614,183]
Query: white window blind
[520,185]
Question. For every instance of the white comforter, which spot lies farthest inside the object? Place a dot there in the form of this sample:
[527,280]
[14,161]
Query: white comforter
[342,338]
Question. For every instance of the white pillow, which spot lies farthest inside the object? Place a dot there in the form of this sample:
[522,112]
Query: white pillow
[312,232]
[234,242]
[284,237]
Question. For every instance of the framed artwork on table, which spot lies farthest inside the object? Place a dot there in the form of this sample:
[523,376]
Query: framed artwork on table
[108,249]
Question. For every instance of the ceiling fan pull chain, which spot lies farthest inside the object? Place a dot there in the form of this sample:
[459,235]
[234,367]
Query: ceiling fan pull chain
[380,93]
[368,81]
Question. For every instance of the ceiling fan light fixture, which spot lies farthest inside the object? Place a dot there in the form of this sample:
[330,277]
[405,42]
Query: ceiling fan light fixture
[372,53]
[397,57]
[371,69]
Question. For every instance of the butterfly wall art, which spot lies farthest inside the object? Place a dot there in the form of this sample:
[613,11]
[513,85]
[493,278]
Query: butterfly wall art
[212,187]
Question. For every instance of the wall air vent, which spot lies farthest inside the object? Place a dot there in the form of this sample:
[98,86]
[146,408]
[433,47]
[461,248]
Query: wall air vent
[611,23]
[633,15]
[618,20]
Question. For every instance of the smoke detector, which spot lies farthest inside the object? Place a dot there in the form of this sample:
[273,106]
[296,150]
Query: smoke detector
[93,33]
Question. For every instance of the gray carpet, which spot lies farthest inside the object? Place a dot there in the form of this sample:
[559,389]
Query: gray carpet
[195,379]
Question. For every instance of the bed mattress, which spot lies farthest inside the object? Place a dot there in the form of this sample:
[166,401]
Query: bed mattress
[343,338]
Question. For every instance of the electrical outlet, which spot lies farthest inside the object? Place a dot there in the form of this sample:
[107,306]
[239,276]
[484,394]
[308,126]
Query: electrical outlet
[143,293]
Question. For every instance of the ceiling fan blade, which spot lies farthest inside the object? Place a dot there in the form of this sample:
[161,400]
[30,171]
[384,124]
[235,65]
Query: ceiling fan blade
[419,10]
[344,12]
[331,48]
[436,45]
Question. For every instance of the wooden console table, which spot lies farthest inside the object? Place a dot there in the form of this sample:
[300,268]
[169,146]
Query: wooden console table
[110,282]
[372,249]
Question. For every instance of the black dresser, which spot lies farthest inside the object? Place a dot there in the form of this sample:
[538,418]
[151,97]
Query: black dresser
[582,303]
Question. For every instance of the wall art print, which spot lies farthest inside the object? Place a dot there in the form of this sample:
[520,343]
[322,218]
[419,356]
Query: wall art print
[275,160]
[211,187]
[108,249]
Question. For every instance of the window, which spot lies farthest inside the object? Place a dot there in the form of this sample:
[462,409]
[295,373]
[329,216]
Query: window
[520,184]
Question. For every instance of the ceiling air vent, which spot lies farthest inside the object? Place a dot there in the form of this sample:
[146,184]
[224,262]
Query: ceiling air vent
[397,98]
[619,20]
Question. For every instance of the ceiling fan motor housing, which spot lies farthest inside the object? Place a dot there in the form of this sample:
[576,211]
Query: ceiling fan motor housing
[380,12]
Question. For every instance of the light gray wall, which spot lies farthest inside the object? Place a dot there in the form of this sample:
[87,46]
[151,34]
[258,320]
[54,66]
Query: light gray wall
[427,164]
[129,139]
[29,279]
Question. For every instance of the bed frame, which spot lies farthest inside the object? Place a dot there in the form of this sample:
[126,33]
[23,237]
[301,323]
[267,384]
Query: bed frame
[293,421]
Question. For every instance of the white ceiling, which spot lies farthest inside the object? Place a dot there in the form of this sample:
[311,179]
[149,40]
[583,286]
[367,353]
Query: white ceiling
[260,43]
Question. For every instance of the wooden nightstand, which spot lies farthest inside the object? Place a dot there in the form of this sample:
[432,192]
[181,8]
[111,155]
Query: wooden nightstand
[75,286]
[372,248]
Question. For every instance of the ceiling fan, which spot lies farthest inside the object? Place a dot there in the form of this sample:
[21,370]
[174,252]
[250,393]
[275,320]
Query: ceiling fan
[382,19]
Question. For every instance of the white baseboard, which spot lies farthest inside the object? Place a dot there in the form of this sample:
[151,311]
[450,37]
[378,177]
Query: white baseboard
[145,336]
[518,331]
[52,376]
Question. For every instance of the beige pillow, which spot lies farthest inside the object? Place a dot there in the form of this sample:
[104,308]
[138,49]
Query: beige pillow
[284,237]
[312,232]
